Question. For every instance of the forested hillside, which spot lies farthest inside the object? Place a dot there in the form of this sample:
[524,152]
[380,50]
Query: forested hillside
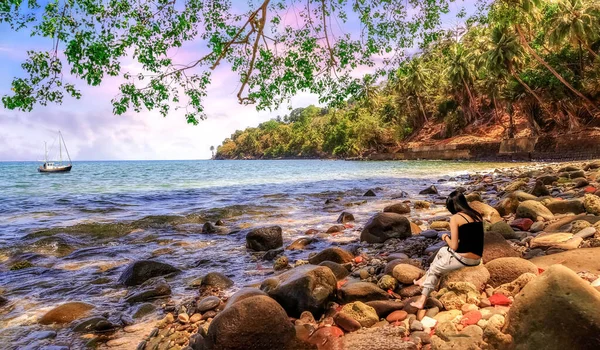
[525,60]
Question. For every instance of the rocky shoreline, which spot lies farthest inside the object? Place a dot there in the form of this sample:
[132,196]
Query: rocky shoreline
[538,285]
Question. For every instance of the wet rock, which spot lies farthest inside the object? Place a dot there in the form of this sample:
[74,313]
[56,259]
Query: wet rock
[362,313]
[3,301]
[540,190]
[270,255]
[143,310]
[361,291]
[515,186]
[591,203]
[264,238]
[561,240]
[216,280]
[406,273]
[338,270]
[151,289]
[301,243]
[281,263]
[421,204]
[547,179]
[507,205]
[574,206]
[489,214]
[504,229]
[410,291]
[335,254]
[140,271]
[345,217]
[398,208]
[38,335]
[255,322]
[385,307]
[369,193]
[209,228]
[346,322]
[208,303]
[429,233]
[304,288]
[66,313]
[429,190]
[243,294]
[336,228]
[533,210]
[456,294]
[384,226]
[522,224]
[553,312]
[387,282]
[476,275]
[513,288]
[95,324]
[440,226]
[495,246]
[580,182]
[506,270]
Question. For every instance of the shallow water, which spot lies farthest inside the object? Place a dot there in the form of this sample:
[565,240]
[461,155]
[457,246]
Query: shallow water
[79,229]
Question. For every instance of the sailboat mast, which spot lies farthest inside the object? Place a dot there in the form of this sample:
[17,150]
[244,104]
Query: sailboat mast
[66,149]
[45,152]
[60,148]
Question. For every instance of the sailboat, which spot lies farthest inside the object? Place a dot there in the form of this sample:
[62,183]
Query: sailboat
[56,167]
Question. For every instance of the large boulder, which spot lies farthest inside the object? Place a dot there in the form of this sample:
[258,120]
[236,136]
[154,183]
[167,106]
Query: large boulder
[384,226]
[362,313]
[574,206]
[361,291]
[579,260]
[66,313]
[398,208]
[495,246]
[340,271]
[140,271]
[264,238]
[304,288]
[534,210]
[476,275]
[556,311]
[335,254]
[591,203]
[489,213]
[506,270]
[255,322]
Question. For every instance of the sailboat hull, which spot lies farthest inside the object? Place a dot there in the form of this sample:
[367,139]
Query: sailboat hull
[58,169]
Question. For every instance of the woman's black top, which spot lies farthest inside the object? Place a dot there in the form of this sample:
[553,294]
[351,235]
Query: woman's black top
[470,237]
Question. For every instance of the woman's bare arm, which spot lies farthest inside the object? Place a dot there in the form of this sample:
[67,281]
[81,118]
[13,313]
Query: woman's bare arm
[453,240]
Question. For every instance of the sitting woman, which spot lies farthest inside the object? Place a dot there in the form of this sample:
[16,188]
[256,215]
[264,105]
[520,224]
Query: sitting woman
[465,245]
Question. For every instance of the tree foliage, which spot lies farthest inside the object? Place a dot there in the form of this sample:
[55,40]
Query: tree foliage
[277,48]
[529,59]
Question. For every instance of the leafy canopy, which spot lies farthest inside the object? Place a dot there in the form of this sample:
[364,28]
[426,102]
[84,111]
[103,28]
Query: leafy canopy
[276,48]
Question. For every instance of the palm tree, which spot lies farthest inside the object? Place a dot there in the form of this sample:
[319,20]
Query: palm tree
[577,21]
[459,72]
[505,54]
[413,78]
[523,11]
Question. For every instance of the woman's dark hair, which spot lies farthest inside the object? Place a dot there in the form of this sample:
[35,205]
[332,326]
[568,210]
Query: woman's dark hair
[457,202]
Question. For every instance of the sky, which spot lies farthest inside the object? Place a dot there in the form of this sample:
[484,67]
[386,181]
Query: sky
[92,132]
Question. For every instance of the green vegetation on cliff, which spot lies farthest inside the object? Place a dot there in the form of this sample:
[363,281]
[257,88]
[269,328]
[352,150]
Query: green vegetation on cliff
[531,60]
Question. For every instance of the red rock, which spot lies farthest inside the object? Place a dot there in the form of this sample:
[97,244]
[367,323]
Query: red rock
[522,224]
[471,318]
[499,299]
[358,259]
[325,334]
[590,189]
[397,316]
